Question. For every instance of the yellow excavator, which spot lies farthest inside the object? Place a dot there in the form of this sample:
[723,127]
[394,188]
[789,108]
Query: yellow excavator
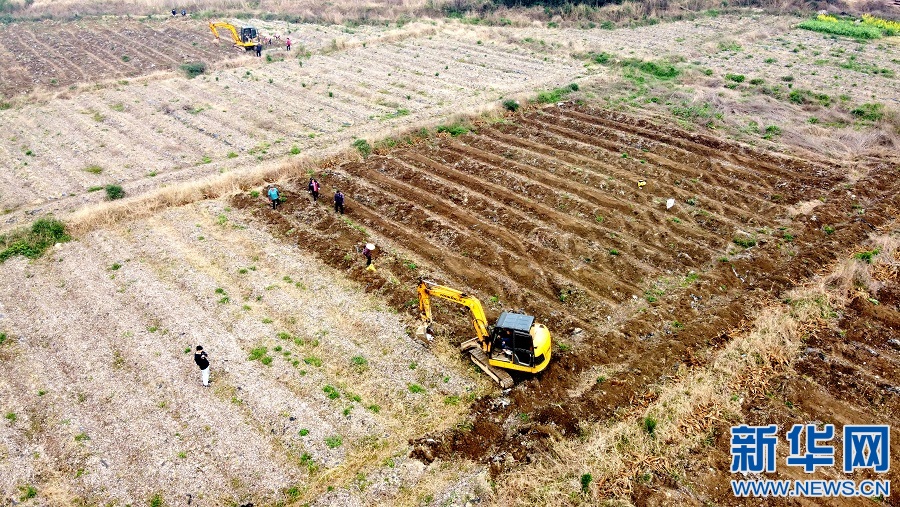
[243,36]
[515,342]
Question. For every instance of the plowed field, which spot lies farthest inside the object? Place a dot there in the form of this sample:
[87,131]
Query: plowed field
[57,54]
[544,213]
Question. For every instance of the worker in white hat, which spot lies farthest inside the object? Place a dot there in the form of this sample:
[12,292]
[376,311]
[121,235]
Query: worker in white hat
[367,252]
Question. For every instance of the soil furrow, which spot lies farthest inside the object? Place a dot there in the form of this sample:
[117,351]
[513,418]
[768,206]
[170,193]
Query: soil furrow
[712,216]
[680,161]
[514,212]
[586,198]
[747,204]
[469,240]
[784,167]
[646,359]
[599,245]
[532,189]
[415,192]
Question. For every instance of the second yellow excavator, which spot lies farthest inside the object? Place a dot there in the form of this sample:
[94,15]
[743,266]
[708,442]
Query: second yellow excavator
[515,342]
[243,37]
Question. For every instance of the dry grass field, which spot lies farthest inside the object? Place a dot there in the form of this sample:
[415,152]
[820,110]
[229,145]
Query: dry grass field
[501,160]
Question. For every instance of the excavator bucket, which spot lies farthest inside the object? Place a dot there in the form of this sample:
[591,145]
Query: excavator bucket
[424,332]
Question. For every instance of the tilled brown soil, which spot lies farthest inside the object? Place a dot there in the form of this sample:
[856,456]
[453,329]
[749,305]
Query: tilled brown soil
[847,373]
[544,214]
[55,55]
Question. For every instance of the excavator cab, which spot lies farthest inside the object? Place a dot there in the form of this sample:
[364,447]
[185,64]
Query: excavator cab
[511,339]
[248,34]
[518,341]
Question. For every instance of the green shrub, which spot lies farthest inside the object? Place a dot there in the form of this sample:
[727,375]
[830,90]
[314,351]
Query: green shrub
[757,81]
[772,131]
[602,58]
[659,69]
[416,388]
[511,105]
[193,69]
[456,129]
[33,242]
[334,442]
[649,424]
[737,78]
[744,242]
[28,492]
[555,95]
[586,482]
[93,169]
[257,353]
[867,256]
[2,338]
[868,112]
[331,392]
[729,46]
[363,147]
[693,112]
[114,192]
[799,96]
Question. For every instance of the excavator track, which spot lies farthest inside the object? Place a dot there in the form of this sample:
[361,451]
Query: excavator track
[480,359]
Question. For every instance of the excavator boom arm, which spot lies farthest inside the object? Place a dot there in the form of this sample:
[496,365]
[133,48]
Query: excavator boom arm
[428,289]
[235,35]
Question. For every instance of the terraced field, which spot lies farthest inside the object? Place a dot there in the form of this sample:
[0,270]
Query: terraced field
[56,55]
[147,133]
[544,213]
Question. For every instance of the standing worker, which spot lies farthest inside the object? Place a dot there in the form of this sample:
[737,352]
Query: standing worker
[273,195]
[288,43]
[314,189]
[258,48]
[339,202]
[367,253]
[202,361]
